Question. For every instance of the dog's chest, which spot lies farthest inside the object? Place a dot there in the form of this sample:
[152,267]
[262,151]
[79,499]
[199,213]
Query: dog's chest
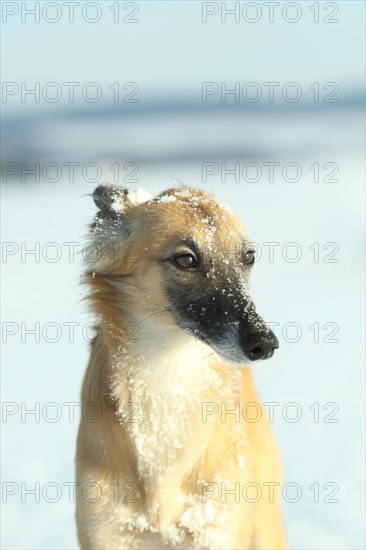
[169,392]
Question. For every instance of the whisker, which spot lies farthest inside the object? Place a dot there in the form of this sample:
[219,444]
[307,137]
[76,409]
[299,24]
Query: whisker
[179,181]
[163,310]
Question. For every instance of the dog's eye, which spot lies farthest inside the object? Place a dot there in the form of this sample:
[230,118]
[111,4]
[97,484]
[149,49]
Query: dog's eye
[249,257]
[185,261]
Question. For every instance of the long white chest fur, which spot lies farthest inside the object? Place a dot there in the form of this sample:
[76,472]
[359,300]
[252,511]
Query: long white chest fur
[168,390]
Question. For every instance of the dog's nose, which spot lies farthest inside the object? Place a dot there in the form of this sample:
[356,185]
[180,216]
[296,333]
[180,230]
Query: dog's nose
[259,346]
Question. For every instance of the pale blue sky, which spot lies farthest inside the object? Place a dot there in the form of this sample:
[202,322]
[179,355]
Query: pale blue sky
[170,51]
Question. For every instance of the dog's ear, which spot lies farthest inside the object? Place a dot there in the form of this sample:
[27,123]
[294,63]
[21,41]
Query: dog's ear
[114,204]
[112,200]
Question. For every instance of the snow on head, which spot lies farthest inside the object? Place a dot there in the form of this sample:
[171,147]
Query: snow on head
[168,198]
[128,198]
[138,196]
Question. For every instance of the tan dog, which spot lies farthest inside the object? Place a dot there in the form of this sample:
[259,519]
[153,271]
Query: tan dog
[166,458]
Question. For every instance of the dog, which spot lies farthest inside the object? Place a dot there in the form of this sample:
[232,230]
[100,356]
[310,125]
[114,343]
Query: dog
[165,458]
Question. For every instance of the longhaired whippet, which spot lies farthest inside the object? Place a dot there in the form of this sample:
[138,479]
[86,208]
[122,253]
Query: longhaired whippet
[180,453]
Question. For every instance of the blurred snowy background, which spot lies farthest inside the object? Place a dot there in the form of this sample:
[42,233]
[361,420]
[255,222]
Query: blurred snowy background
[159,54]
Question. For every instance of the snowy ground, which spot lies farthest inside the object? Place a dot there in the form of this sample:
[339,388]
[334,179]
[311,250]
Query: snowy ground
[306,372]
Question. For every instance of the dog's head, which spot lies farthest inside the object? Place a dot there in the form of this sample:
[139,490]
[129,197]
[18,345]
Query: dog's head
[184,255]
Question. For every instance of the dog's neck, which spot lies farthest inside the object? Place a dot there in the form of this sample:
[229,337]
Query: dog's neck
[154,349]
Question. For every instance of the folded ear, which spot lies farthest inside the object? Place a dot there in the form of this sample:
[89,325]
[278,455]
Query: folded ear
[112,200]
